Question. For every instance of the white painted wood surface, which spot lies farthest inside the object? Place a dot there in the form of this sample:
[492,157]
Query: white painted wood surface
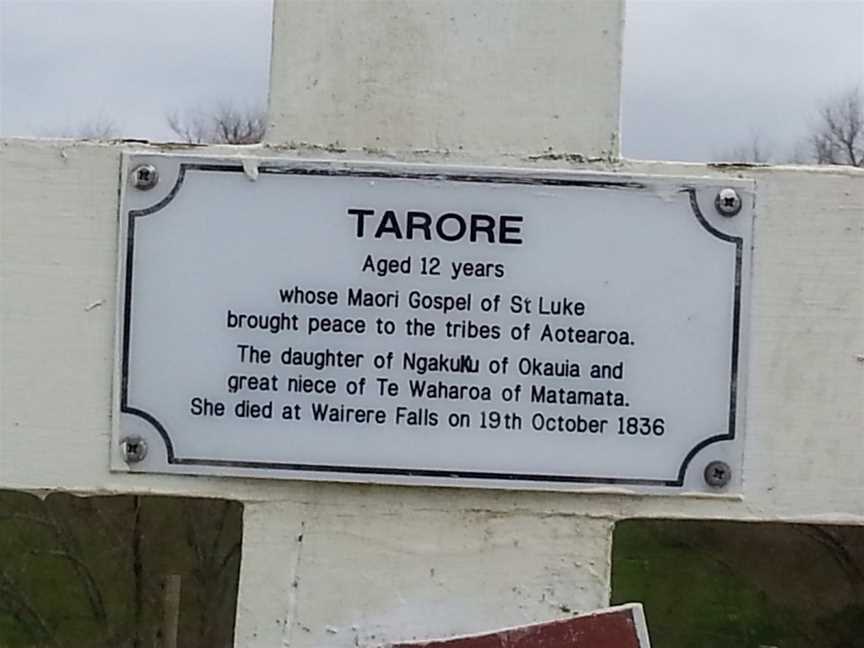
[360,574]
[806,378]
[485,77]
[391,563]
[367,552]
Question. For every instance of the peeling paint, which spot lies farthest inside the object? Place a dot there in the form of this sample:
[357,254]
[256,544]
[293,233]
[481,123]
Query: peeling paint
[737,166]
[573,158]
[250,168]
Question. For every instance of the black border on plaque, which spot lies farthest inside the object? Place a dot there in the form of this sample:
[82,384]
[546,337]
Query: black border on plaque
[412,174]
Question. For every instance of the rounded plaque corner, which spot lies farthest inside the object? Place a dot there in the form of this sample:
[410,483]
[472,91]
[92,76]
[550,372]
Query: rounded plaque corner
[699,197]
[143,427]
[710,466]
[170,179]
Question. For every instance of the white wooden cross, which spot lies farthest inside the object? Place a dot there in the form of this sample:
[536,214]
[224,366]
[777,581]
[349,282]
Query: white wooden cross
[526,85]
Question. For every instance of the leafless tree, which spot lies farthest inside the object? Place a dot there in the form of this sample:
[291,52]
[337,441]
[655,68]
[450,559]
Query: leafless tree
[226,124]
[756,151]
[838,135]
[107,558]
[98,127]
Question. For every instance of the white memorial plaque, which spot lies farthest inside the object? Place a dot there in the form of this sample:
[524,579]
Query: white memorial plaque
[431,325]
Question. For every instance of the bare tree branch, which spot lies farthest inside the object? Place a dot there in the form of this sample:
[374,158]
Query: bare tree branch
[224,124]
[137,574]
[71,551]
[840,553]
[91,587]
[838,137]
[99,127]
[755,151]
[13,600]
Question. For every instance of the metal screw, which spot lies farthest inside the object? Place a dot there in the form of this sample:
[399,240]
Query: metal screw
[717,474]
[134,449]
[144,177]
[728,202]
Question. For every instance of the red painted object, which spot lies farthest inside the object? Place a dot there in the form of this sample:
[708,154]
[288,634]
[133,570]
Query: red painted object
[619,627]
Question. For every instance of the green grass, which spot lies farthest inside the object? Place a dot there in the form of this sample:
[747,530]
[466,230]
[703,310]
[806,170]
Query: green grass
[68,577]
[723,585]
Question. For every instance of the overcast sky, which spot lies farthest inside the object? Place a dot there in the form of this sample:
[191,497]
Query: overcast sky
[700,76]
